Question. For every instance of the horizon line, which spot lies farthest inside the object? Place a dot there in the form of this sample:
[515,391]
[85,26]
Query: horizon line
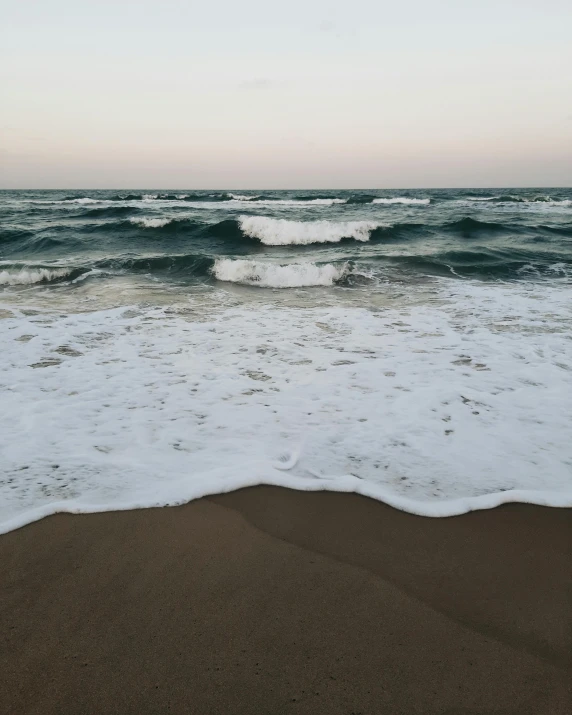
[235,188]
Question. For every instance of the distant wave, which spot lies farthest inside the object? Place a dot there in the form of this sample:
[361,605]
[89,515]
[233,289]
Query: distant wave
[402,200]
[223,199]
[270,275]
[281,232]
[361,199]
[510,199]
[298,202]
[107,212]
[85,200]
[242,197]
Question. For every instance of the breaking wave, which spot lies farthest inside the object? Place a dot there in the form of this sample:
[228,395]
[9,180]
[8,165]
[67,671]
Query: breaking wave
[29,276]
[402,200]
[229,198]
[85,200]
[270,275]
[150,222]
[281,232]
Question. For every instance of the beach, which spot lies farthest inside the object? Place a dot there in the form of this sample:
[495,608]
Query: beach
[268,600]
[286,358]
[409,346]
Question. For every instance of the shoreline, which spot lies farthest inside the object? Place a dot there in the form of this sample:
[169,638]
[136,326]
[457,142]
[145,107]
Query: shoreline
[349,484]
[269,600]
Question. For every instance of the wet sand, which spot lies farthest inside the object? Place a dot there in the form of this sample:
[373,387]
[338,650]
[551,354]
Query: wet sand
[268,601]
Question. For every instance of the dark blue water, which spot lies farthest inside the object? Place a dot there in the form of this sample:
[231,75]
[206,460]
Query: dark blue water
[50,238]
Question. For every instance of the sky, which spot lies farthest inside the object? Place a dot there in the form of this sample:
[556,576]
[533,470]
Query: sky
[303,94]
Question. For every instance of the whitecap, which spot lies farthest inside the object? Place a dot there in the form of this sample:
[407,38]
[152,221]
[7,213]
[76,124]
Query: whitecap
[282,232]
[29,276]
[271,275]
[402,200]
[150,222]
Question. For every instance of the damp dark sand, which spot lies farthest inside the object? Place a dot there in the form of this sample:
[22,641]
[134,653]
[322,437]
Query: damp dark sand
[267,601]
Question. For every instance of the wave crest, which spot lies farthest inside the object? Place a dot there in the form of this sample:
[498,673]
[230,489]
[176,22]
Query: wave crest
[270,275]
[281,232]
[150,222]
[402,200]
[29,276]
[510,199]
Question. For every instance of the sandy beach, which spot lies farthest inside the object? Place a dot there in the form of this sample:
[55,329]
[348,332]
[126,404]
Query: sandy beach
[270,601]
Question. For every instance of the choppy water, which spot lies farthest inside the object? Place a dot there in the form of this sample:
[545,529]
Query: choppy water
[415,346]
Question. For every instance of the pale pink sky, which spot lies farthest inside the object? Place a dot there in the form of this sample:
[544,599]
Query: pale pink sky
[303,94]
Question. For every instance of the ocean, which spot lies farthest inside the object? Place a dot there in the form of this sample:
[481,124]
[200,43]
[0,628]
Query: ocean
[411,346]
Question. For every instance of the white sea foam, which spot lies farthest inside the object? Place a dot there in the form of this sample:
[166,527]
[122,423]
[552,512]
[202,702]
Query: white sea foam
[180,202]
[287,202]
[29,276]
[520,201]
[281,232]
[150,222]
[436,409]
[402,200]
[271,275]
[74,201]
[242,197]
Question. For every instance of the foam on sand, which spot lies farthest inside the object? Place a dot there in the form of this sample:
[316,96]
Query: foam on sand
[271,275]
[436,409]
[282,232]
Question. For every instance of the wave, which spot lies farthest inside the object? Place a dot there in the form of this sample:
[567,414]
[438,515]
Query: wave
[506,264]
[85,200]
[242,197]
[151,222]
[470,226]
[190,264]
[299,202]
[479,263]
[7,235]
[511,199]
[281,232]
[107,212]
[222,199]
[30,275]
[271,275]
[361,199]
[241,230]
[402,200]
[191,196]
